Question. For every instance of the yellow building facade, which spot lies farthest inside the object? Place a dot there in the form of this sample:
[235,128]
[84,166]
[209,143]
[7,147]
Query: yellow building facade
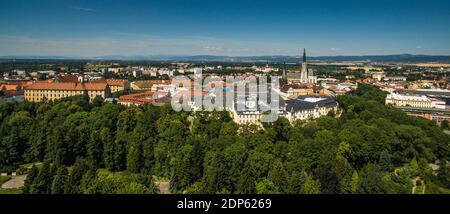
[39,91]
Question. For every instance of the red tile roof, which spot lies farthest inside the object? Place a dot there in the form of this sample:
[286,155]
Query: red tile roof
[68,86]
[14,85]
[95,86]
[116,82]
[142,98]
[67,78]
[286,87]
[14,88]
[150,83]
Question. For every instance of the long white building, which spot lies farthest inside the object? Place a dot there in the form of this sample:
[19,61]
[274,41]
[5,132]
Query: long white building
[301,108]
[416,101]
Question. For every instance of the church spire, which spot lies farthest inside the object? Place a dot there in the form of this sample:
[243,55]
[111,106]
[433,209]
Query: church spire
[304,55]
[304,71]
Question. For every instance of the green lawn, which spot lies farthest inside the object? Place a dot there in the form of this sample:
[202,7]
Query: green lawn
[3,179]
[10,191]
[29,165]
[432,188]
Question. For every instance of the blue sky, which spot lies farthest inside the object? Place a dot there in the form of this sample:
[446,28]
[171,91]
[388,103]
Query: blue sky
[234,28]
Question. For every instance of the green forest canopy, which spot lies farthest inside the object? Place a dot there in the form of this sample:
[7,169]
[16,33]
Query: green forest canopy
[370,148]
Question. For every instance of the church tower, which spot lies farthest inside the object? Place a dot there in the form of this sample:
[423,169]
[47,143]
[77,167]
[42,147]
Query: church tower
[310,77]
[304,71]
[303,75]
[304,55]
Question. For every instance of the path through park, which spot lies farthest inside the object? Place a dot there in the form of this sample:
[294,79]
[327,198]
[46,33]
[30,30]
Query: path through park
[163,186]
[15,182]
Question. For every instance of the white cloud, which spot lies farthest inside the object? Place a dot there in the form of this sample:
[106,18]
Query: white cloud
[335,49]
[85,9]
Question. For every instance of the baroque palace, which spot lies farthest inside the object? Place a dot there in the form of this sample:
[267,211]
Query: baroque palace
[57,90]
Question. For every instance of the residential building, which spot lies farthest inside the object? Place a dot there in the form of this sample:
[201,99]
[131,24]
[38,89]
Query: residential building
[117,85]
[148,97]
[39,91]
[335,89]
[399,100]
[428,104]
[138,73]
[265,69]
[147,84]
[11,89]
[294,90]
[435,114]
[302,108]
[309,107]
[378,75]
[395,79]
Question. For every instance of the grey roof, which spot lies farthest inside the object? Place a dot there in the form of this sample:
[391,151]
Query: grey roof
[425,92]
[300,103]
[425,110]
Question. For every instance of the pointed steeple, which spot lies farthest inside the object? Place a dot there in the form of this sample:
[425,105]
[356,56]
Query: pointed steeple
[304,55]
[304,72]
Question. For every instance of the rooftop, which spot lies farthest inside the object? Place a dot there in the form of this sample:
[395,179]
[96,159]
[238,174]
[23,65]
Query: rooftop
[395,96]
[68,86]
[310,102]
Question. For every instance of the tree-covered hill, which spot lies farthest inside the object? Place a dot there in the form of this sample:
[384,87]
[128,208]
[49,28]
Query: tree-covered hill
[370,148]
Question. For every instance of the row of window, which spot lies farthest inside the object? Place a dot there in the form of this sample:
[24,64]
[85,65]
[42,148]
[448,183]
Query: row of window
[411,103]
[36,96]
[51,94]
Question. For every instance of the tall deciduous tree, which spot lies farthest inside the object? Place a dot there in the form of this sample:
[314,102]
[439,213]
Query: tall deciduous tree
[214,174]
[134,157]
[371,181]
[266,186]
[279,176]
[355,181]
[59,181]
[296,182]
[385,161]
[42,183]
[311,186]
[247,180]
[73,185]
[30,179]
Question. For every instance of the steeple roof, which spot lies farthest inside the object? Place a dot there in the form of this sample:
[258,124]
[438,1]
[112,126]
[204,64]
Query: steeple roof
[304,54]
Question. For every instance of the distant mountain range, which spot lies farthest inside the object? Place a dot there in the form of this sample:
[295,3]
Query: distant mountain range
[405,58]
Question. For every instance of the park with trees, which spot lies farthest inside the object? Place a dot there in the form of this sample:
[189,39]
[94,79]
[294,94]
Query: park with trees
[107,148]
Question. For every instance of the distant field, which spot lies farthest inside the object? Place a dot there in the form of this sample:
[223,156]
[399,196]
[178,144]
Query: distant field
[430,65]
[364,68]
[334,63]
